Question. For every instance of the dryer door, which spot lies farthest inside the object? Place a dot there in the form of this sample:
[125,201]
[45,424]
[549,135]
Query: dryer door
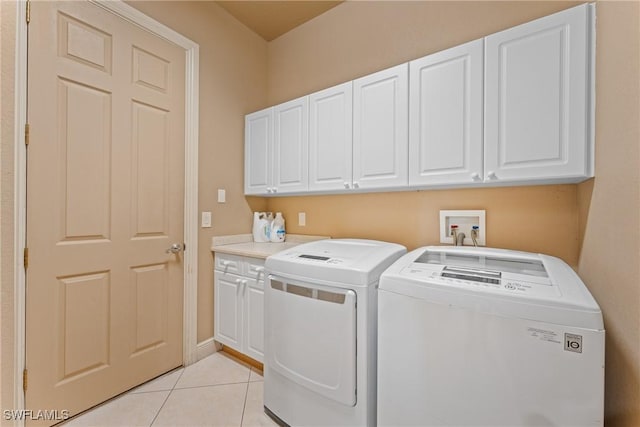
[311,337]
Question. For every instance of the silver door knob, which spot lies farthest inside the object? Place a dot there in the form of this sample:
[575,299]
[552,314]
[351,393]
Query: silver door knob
[175,248]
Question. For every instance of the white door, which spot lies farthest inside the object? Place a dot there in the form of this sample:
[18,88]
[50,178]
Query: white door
[445,122]
[380,129]
[537,98]
[258,146]
[228,300]
[331,138]
[291,146]
[105,201]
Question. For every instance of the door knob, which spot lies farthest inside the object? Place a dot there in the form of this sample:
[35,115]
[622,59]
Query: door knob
[174,249]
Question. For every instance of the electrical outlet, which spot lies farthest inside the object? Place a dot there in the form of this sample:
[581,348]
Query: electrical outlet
[206,220]
[465,220]
[302,219]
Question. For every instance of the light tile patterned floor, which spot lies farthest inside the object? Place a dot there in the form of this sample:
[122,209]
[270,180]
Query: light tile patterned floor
[216,391]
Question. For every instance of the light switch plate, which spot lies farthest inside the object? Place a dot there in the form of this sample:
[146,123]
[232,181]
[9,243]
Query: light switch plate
[302,219]
[464,220]
[222,195]
[206,219]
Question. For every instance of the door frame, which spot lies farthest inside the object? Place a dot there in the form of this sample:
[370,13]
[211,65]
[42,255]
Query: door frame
[192,57]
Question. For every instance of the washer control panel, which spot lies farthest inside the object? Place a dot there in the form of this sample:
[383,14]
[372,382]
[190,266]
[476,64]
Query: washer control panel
[480,280]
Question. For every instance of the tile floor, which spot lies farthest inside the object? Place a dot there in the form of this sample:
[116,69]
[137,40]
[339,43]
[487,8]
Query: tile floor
[216,391]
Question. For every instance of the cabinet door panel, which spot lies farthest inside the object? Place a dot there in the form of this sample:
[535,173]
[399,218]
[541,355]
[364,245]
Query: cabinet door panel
[254,300]
[537,99]
[445,128]
[380,134]
[228,309]
[258,134]
[330,138]
[291,146]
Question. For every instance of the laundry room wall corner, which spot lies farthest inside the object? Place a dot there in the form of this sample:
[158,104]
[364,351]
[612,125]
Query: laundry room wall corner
[609,207]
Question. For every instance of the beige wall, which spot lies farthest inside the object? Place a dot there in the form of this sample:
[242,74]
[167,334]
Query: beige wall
[232,83]
[610,206]
[537,219]
[7,72]
[357,38]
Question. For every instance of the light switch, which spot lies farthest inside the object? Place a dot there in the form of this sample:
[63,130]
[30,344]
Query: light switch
[302,219]
[206,219]
[222,195]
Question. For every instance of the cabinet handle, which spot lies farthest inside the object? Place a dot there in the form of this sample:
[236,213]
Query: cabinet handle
[259,269]
[238,281]
[268,189]
[346,185]
[225,263]
[356,185]
[274,190]
[491,175]
[475,176]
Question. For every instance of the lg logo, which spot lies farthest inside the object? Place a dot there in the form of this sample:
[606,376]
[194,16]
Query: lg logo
[573,343]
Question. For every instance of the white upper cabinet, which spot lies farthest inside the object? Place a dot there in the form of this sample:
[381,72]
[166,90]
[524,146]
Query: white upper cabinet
[537,95]
[291,146]
[330,138]
[380,129]
[514,108]
[258,137]
[445,122]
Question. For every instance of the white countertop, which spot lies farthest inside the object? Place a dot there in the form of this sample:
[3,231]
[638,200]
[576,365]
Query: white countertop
[243,244]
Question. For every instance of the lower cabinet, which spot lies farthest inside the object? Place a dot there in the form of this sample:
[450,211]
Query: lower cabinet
[239,304]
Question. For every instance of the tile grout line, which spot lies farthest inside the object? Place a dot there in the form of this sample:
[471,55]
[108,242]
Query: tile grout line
[167,398]
[246,394]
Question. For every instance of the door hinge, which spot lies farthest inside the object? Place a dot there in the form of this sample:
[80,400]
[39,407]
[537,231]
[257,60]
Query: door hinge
[26,257]
[25,378]
[26,134]
[28,11]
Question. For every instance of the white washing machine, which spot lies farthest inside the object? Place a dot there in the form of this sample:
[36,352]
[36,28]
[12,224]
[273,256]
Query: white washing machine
[476,336]
[320,331]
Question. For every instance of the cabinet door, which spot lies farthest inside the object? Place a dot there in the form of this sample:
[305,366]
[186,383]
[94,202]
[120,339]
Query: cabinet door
[330,138]
[291,146]
[258,137]
[445,116]
[538,99]
[228,304]
[380,129]
[254,320]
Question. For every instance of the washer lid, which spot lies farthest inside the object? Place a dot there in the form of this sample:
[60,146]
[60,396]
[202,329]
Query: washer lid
[354,262]
[508,283]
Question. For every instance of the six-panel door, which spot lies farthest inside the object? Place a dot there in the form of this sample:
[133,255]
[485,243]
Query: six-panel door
[537,99]
[105,202]
[445,122]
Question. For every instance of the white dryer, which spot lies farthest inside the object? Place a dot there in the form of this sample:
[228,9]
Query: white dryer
[477,336]
[320,331]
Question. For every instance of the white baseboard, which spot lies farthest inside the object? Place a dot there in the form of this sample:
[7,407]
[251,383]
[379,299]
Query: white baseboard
[206,348]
